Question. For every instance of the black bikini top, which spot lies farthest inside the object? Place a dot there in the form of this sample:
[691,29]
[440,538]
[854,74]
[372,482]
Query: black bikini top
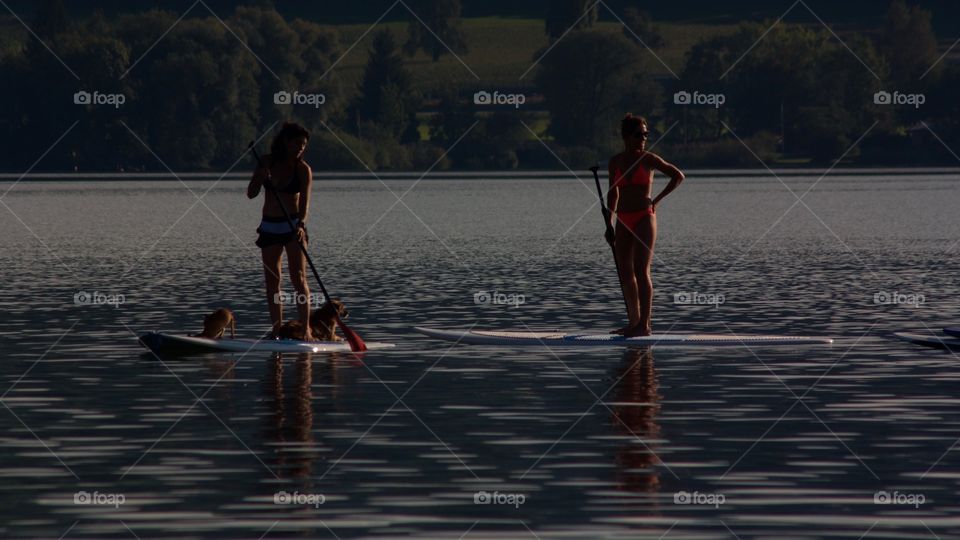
[293,186]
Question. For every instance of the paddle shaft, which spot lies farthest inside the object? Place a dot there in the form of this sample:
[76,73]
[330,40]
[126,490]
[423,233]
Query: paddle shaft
[609,229]
[356,344]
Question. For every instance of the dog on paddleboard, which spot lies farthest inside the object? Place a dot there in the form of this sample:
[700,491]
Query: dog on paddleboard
[323,323]
[215,323]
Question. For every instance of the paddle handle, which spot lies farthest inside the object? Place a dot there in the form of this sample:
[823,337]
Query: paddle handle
[609,228]
[356,344]
[603,205]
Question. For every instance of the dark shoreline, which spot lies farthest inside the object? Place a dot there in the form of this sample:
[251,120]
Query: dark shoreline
[469,175]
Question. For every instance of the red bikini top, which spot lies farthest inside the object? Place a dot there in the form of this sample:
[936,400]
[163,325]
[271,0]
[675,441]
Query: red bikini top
[639,175]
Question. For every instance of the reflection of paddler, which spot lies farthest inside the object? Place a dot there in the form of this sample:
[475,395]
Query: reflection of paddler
[292,419]
[635,414]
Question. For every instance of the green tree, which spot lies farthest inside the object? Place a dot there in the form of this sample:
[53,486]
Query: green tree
[291,56]
[50,20]
[791,74]
[434,27]
[569,15]
[86,59]
[198,102]
[639,27]
[819,133]
[453,118]
[278,57]
[320,48]
[585,109]
[140,31]
[909,45]
[492,143]
[387,98]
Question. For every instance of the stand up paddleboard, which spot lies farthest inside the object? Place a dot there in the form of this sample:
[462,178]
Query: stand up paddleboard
[559,339]
[939,342]
[174,344]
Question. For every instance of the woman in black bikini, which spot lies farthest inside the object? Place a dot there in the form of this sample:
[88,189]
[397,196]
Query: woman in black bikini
[284,169]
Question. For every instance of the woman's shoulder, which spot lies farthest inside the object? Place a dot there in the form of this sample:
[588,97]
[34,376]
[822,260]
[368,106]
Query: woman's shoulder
[616,159]
[651,158]
[304,167]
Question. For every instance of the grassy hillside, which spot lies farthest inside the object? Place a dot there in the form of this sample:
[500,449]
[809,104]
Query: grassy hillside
[501,50]
[12,36]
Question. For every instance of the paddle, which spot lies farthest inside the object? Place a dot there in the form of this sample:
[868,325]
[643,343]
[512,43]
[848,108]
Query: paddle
[356,344]
[609,227]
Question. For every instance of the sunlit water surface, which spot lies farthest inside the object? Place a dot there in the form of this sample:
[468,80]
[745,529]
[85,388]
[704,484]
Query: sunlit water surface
[764,442]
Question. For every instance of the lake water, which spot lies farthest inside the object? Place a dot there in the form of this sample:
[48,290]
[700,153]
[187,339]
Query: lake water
[668,443]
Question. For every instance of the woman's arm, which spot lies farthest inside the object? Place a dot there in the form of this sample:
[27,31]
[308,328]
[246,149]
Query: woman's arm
[304,203]
[613,193]
[256,182]
[676,176]
[613,198]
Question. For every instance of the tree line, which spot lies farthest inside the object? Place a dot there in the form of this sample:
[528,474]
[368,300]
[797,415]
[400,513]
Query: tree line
[193,99]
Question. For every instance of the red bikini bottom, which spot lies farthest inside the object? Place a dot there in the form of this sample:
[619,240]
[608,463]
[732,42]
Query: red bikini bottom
[630,220]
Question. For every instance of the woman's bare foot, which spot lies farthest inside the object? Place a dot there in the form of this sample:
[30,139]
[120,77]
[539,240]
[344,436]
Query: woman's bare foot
[639,330]
[621,331]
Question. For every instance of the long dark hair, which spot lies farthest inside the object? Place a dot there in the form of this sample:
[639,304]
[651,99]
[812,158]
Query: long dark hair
[290,130]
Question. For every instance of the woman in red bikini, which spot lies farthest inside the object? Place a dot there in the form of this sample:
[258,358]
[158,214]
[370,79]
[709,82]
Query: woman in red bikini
[290,175]
[631,185]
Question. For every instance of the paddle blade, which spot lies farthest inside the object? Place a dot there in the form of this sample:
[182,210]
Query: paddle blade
[353,339]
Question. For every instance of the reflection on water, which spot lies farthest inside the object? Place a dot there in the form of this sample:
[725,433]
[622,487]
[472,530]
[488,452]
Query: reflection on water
[291,425]
[436,440]
[635,414]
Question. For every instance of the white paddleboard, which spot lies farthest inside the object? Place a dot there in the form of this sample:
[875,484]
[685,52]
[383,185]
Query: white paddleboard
[940,342]
[560,339]
[169,343]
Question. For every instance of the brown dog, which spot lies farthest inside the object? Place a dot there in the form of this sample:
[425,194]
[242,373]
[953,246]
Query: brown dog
[215,323]
[323,323]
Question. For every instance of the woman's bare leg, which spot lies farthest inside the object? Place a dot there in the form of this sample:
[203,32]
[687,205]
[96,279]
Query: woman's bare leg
[646,238]
[298,276]
[272,268]
[624,245]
